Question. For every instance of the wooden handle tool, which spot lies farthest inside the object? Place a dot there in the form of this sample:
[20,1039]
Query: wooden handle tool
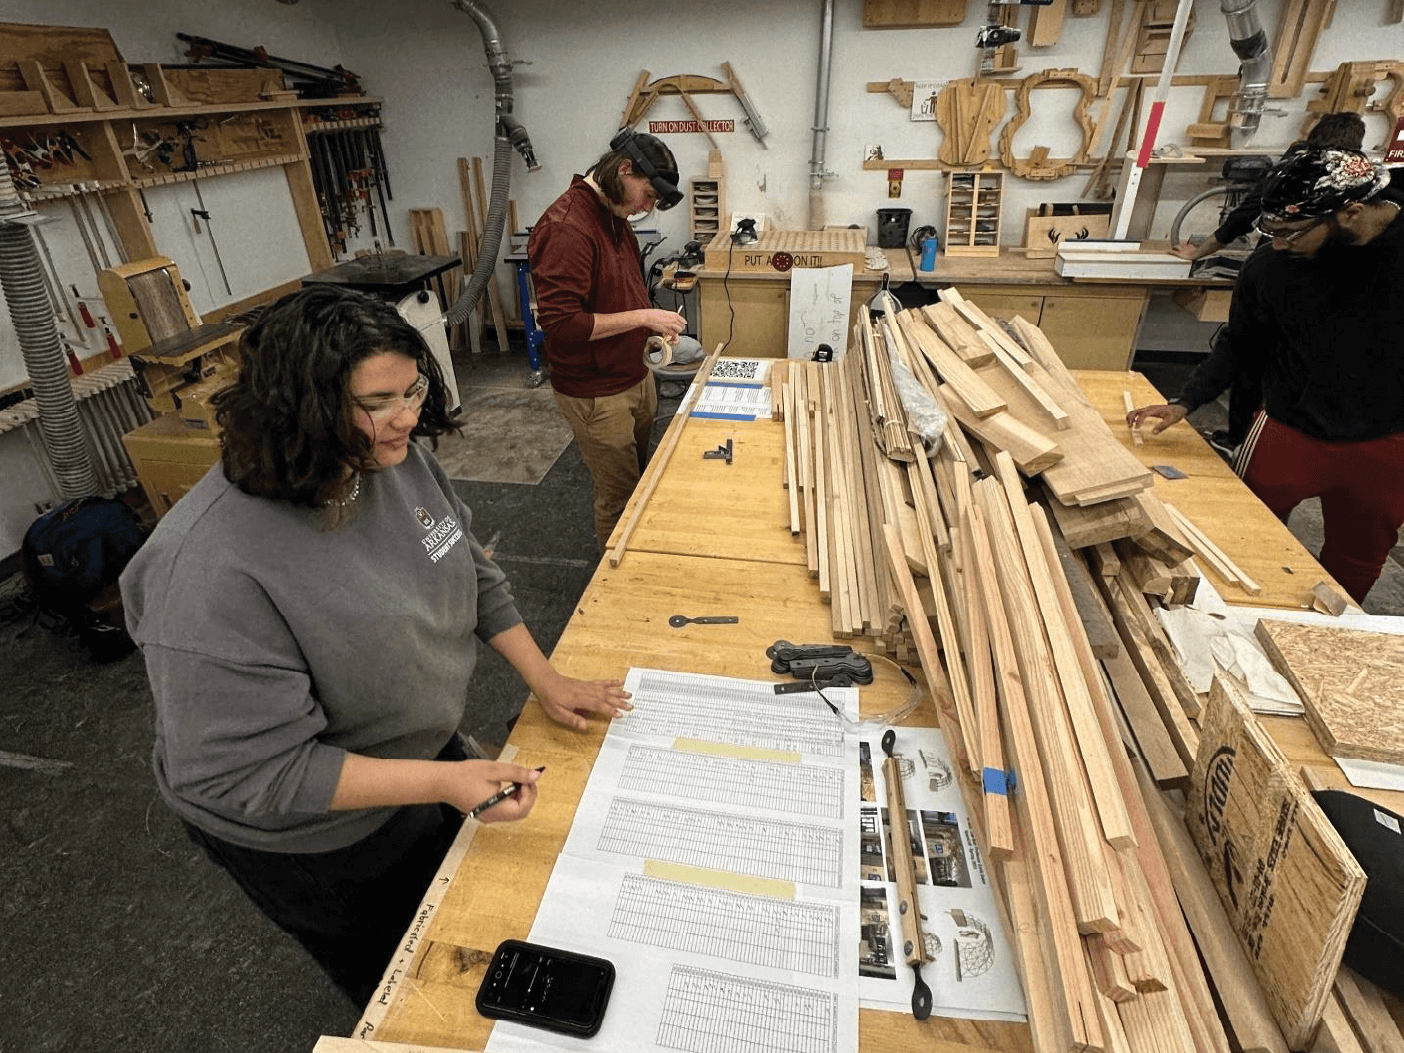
[913,946]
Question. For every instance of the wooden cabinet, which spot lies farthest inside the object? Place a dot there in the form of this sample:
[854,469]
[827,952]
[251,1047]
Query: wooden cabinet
[169,458]
[974,201]
[1090,326]
[750,313]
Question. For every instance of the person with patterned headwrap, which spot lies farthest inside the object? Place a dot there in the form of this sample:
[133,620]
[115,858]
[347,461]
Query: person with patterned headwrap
[1315,315]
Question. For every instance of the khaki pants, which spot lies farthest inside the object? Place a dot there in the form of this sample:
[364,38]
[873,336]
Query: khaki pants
[613,433]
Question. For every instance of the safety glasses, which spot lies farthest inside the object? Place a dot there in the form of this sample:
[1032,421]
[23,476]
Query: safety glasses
[381,410]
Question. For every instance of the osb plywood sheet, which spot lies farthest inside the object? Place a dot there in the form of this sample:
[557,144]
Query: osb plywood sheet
[1289,884]
[1351,682]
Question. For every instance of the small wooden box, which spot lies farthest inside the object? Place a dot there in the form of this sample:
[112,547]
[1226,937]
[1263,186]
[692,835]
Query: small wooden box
[778,251]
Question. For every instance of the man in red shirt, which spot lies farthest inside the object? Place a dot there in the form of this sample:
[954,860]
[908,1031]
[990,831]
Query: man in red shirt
[593,306]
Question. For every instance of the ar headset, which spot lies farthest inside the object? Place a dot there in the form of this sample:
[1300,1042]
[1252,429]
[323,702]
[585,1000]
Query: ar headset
[664,180]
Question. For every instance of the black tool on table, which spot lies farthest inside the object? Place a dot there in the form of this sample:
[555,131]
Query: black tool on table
[722,452]
[913,946]
[677,621]
[822,665]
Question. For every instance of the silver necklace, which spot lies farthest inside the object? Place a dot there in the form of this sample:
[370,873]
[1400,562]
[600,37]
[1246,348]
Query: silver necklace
[355,493]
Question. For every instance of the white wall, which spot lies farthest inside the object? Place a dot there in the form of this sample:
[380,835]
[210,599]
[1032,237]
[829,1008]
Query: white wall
[578,63]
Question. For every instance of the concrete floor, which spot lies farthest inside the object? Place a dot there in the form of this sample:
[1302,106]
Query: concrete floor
[117,934]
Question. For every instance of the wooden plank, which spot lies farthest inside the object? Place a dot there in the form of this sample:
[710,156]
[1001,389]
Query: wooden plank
[619,540]
[1041,398]
[1211,553]
[1082,722]
[950,367]
[1032,451]
[1066,965]
[1350,681]
[959,334]
[1299,25]
[1073,811]
[1046,24]
[1183,733]
[1091,614]
[1103,522]
[1288,882]
[1244,1005]
[1364,1006]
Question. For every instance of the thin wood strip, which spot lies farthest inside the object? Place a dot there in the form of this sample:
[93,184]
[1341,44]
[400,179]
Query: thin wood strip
[791,457]
[1183,734]
[864,457]
[997,817]
[1094,903]
[985,324]
[1064,959]
[1364,1006]
[819,436]
[1045,402]
[1216,556]
[1091,747]
[799,378]
[959,335]
[1130,404]
[619,540]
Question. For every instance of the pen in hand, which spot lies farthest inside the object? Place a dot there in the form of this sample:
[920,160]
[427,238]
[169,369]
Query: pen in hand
[501,795]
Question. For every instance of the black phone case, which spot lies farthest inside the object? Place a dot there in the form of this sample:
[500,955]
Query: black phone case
[490,1004]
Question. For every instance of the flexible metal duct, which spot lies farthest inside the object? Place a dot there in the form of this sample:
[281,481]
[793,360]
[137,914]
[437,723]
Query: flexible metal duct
[1250,44]
[21,274]
[817,210]
[510,135]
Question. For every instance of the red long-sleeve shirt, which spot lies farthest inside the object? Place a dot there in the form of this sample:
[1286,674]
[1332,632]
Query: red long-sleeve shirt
[585,261]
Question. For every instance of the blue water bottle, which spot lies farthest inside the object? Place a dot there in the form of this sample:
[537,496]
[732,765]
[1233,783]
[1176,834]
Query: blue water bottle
[928,252]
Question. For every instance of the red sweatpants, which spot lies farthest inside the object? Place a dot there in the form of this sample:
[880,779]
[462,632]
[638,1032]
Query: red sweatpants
[1361,486]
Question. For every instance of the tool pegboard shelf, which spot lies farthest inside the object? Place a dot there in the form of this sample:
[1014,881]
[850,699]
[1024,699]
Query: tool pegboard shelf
[120,152]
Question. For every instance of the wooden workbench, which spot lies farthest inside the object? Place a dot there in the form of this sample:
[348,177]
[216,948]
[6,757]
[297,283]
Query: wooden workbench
[714,539]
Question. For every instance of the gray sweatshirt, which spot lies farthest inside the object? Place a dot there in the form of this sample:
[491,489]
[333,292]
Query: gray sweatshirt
[274,646]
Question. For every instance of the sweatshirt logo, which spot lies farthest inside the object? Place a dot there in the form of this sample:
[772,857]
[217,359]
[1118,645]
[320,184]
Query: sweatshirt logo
[425,519]
[441,537]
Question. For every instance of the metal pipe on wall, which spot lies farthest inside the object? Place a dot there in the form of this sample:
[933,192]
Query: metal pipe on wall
[1250,44]
[817,212]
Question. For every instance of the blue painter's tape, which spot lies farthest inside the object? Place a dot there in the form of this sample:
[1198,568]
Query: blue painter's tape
[995,781]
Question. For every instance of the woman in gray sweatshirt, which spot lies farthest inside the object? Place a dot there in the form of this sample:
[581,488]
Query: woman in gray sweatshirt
[309,615]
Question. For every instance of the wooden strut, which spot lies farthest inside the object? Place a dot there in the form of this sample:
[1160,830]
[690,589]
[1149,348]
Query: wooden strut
[619,540]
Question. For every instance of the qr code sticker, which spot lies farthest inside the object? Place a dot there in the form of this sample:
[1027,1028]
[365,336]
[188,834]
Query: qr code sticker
[736,369]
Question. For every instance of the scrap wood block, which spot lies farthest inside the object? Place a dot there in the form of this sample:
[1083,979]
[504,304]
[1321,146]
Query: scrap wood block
[1350,681]
[1105,521]
[1032,450]
[1289,884]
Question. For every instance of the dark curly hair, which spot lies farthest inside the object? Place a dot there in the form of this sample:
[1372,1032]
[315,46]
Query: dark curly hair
[606,170]
[288,421]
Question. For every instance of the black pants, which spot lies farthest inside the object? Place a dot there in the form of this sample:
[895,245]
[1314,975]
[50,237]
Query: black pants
[348,908]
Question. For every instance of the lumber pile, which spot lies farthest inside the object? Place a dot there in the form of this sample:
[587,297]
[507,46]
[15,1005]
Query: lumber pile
[1059,693]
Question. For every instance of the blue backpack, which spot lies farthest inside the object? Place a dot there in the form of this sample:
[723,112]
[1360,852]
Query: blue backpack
[73,552]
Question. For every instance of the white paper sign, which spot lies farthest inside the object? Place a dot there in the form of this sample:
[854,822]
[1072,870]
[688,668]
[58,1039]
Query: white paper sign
[819,302]
[924,94]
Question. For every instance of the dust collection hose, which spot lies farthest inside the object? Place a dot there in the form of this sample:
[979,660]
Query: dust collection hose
[510,135]
[32,314]
[1249,43]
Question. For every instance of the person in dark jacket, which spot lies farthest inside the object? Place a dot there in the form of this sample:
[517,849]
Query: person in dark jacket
[593,306]
[1334,131]
[1315,314]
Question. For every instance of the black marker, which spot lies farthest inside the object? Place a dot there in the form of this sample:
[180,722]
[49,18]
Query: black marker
[501,795]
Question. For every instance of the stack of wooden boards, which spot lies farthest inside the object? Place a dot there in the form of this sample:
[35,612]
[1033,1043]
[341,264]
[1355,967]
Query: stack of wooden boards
[1059,693]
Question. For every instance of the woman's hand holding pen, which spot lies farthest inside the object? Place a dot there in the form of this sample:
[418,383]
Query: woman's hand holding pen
[569,701]
[471,783]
